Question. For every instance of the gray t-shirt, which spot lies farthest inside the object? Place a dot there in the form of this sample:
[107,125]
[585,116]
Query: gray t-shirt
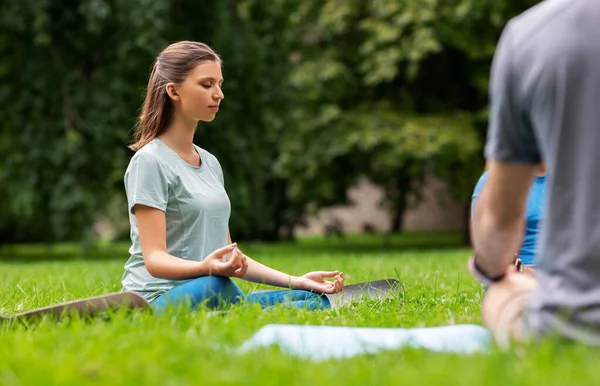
[195,203]
[545,104]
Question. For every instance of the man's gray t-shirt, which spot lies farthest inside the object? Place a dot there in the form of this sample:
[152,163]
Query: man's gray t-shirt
[195,203]
[545,104]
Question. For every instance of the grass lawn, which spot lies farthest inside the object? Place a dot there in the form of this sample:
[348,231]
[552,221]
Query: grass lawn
[142,349]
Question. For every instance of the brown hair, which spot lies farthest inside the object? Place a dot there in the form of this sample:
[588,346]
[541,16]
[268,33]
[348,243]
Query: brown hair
[173,64]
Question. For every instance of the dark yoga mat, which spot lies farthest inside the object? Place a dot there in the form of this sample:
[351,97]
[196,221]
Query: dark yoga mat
[84,307]
[378,289]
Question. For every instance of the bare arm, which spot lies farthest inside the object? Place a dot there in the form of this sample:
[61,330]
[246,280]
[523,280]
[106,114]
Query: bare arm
[151,223]
[498,224]
[260,273]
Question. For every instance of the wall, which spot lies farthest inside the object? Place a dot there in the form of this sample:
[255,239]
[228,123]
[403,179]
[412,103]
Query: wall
[437,212]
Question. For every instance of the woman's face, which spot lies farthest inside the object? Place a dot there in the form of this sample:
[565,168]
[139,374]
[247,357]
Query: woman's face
[199,96]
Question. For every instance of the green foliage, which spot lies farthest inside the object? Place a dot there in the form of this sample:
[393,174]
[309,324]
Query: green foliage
[71,82]
[73,76]
[245,137]
[318,94]
[393,91]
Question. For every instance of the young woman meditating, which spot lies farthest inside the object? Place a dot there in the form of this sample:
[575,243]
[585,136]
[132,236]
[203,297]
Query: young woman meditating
[179,210]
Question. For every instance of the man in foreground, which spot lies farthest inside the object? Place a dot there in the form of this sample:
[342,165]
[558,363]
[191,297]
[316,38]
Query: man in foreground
[545,106]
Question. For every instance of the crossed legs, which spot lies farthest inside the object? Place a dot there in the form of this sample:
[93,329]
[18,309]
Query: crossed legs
[217,291]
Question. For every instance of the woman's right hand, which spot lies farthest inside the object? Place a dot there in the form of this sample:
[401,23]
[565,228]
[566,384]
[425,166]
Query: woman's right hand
[236,265]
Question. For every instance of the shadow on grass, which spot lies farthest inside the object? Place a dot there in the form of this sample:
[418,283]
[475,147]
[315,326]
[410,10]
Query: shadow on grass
[303,246]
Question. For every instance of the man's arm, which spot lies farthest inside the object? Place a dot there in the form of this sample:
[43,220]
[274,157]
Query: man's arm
[498,225]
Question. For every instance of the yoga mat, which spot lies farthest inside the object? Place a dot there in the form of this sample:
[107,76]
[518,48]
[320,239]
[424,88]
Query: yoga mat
[84,307]
[378,289]
[325,342]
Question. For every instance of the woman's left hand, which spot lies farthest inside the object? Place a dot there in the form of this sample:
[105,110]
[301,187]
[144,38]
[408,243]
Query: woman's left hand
[315,281]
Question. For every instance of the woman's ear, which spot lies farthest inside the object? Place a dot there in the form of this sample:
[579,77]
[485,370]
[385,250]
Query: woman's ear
[172,91]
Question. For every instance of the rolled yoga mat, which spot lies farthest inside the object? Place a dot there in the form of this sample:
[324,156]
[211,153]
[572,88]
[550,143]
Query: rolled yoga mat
[324,342]
[84,307]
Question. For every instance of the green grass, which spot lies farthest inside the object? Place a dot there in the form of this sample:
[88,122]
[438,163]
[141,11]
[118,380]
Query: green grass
[306,245]
[176,349]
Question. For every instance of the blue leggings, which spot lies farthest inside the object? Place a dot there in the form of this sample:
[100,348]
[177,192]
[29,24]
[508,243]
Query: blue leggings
[217,291]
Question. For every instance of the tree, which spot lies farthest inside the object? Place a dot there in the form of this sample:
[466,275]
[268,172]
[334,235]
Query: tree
[318,94]
[72,76]
[393,91]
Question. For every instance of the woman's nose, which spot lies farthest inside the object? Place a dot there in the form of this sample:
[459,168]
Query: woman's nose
[219,94]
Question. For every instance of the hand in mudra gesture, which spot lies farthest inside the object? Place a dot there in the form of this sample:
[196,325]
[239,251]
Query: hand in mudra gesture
[235,264]
[316,282]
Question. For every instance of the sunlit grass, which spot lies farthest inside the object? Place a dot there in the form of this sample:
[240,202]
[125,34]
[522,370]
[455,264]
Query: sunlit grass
[191,348]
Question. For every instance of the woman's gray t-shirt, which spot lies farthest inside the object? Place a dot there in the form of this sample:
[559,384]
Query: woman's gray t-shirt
[195,203]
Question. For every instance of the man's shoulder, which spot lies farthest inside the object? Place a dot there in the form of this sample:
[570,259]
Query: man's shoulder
[531,26]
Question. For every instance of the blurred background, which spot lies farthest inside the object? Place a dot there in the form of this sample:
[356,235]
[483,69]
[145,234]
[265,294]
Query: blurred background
[340,116]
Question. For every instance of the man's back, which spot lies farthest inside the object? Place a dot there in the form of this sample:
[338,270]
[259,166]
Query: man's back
[550,77]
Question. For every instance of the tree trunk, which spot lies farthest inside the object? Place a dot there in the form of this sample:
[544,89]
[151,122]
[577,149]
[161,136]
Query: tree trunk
[398,210]
[399,194]
[397,220]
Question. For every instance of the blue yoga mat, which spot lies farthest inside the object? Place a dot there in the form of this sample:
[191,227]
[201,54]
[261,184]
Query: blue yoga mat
[325,342]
